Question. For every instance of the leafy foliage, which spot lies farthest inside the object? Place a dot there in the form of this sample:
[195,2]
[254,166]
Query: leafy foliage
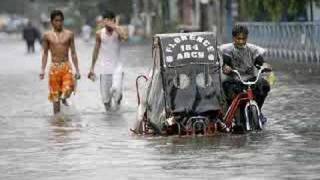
[274,10]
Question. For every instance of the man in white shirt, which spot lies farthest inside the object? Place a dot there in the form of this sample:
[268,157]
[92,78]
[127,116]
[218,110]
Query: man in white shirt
[107,49]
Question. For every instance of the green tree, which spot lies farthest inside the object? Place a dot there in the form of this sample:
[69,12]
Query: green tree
[274,10]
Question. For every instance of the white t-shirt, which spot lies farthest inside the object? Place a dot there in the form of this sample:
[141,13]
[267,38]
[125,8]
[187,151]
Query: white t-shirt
[109,54]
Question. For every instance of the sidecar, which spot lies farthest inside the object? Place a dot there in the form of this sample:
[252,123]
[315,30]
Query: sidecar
[182,94]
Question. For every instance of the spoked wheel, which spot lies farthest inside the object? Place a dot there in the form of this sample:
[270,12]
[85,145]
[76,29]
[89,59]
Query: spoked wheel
[254,118]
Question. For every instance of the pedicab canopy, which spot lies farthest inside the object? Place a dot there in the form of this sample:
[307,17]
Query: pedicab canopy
[190,72]
[188,48]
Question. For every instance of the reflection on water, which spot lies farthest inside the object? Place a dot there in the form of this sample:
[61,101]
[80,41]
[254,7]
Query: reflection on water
[62,129]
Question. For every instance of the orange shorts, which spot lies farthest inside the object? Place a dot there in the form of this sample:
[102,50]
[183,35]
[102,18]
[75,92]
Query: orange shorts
[61,81]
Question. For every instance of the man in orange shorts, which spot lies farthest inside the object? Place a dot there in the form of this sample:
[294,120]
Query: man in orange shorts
[61,79]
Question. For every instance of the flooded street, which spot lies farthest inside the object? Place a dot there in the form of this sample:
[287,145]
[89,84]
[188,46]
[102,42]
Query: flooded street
[93,145]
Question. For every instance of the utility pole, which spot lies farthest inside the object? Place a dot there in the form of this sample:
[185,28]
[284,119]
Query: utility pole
[165,7]
[187,12]
[147,17]
[221,20]
[31,11]
[311,10]
[204,19]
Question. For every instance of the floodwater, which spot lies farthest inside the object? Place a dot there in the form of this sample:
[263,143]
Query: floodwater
[87,143]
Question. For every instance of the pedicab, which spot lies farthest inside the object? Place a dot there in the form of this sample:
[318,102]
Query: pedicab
[183,92]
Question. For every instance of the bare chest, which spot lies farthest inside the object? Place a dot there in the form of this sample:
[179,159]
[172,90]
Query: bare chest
[59,40]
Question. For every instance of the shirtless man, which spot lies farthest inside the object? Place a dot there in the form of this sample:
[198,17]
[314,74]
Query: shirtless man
[107,49]
[61,80]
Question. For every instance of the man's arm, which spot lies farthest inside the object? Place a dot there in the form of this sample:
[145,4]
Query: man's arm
[225,55]
[123,34]
[45,49]
[95,52]
[227,65]
[259,62]
[257,53]
[74,56]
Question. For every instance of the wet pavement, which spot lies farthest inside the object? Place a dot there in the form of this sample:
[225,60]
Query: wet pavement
[88,143]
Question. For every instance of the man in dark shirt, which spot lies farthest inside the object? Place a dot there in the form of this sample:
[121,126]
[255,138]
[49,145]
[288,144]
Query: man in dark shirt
[30,34]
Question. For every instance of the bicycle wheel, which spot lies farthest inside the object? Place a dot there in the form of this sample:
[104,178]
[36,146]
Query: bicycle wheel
[254,118]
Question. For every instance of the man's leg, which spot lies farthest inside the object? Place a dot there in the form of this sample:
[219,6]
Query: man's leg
[54,87]
[56,107]
[32,46]
[105,90]
[261,90]
[68,84]
[28,46]
[118,88]
[64,101]
[231,88]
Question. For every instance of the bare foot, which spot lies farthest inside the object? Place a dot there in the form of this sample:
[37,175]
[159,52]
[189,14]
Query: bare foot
[65,102]
[107,106]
